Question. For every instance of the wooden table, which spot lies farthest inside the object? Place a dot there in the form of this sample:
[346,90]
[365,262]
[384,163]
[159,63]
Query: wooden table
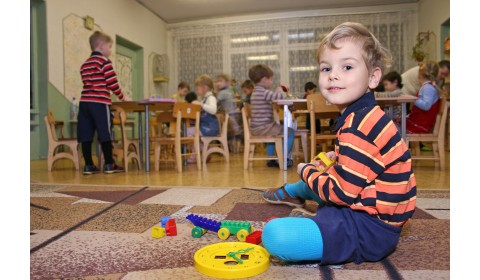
[145,106]
[402,100]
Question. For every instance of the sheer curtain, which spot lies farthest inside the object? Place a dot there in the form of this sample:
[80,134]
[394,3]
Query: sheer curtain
[288,46]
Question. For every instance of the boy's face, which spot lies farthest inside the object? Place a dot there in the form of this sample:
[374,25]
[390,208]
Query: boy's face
[183,91]
[344,76]
[390,86]
[105,48]
[247,91]
[310,91]
[201,90]
[443,72]
[221,83]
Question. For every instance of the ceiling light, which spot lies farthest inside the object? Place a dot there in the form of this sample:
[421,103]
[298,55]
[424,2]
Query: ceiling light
[263,57]
[303,68]
[304,35]
[250,39]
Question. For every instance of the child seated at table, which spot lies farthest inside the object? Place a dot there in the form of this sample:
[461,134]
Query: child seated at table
[392,85]
[425,108]
[262,122]
[182,90]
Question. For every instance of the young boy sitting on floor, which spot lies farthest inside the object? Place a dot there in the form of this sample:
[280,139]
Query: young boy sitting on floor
[370,192]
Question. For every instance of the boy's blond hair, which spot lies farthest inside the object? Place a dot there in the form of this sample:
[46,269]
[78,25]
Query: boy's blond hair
[257,72]
[374,54]
[99,37]
[204,80]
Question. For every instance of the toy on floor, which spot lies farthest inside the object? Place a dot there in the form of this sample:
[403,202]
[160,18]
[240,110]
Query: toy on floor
[158,232]
[223,229]
[254,237]
[328,162]
[232,260]
[168,227]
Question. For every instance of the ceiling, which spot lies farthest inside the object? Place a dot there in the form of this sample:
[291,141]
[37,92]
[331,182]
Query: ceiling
[175,11]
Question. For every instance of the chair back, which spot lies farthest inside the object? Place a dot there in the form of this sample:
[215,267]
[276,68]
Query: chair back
[320,108]
[119,118]
[186,112]
[50,125]
[441,120]
[162,118]
[223,119]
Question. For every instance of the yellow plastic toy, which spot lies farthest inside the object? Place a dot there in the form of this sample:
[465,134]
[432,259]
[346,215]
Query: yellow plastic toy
[158,232]
[232,260]
[328,162]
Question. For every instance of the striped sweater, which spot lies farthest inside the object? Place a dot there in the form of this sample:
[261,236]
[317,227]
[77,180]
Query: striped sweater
[99,79]
[261,106]
[373,172]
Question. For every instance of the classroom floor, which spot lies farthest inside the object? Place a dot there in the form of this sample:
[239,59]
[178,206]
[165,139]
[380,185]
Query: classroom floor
[217,174]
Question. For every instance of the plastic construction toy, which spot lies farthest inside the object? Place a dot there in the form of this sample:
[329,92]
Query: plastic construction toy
[232,260]
[223,229]
[328,162]
[255,237]
[158,232]
[164,221]
[171,228]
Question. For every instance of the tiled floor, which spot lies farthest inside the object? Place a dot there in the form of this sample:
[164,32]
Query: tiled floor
[217,174]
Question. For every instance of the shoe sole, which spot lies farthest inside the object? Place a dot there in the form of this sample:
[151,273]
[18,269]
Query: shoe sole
[113,171]
[283,202]
[90,172]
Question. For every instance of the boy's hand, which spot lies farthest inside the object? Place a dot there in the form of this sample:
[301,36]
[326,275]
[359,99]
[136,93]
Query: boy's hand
[126,98]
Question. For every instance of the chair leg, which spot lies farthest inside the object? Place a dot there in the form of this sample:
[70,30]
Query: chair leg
[205,152]
[198,155]
[304,146]
[246,154]
[280,155]
[178,157]
[441,152]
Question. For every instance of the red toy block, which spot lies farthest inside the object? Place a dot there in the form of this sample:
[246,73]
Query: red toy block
[171,227]
[254,237]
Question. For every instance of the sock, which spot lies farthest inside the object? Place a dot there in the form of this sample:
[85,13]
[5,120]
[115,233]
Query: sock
[291,137]
[293,239]
[87,152]
[107,150]
[301,190]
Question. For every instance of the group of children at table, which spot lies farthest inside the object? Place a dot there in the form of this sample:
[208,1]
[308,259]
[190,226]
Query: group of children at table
[368,194]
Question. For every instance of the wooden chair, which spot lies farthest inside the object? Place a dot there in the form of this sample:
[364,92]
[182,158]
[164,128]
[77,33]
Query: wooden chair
[209,147]
[319,108]
[126,148]
[250,141]
[183,113]
[437,138]
[56,146]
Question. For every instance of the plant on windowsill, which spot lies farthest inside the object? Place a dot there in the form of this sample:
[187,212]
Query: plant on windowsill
[418,51]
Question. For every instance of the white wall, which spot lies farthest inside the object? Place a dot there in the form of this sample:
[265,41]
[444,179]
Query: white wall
[431,15]
[126,18]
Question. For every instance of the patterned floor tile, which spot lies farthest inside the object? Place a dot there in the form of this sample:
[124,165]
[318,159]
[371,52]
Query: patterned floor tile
[188,196]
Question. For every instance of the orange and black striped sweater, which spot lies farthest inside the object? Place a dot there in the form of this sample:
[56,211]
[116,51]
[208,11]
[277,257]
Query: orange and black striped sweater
[373,172]
[99,79]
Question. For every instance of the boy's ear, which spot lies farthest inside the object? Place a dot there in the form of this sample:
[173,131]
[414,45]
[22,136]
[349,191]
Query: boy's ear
[375,78]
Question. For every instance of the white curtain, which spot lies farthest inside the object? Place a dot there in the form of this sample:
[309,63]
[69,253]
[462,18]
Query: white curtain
[288,46]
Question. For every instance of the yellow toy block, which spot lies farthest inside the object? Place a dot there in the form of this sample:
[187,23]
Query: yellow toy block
[322,156]
[158,232]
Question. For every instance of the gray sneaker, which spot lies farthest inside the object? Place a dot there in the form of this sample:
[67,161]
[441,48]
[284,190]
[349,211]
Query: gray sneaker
[280,196]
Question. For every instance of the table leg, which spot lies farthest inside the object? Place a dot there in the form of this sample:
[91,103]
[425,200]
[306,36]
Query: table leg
[140,136]
[404,120]
[285,136]
[147,140]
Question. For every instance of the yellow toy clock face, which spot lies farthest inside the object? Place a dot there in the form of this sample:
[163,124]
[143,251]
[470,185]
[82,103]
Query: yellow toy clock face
[232,260]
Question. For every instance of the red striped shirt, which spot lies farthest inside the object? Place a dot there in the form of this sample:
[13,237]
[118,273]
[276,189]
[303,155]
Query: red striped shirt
[99,79]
